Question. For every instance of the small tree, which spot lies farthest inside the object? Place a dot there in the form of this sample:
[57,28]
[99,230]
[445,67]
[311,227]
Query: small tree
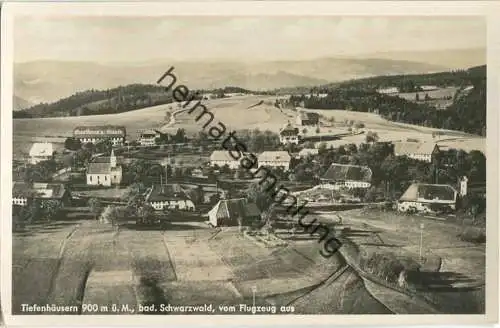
[95,206]
[72,144]
[318,130]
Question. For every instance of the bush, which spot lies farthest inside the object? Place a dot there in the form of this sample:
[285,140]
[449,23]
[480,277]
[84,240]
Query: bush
[473,235]
[387,266]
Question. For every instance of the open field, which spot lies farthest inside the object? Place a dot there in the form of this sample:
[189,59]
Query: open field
[241,112]
[436,94]
[394,131]
[462,272]
[187,263]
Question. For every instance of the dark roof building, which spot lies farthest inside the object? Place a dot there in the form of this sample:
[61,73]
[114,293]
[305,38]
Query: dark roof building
[227,211]
[169,192]
[308,118]
[22,192]
[341,172]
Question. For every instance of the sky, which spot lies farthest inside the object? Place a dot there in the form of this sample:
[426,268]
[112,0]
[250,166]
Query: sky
[140,39]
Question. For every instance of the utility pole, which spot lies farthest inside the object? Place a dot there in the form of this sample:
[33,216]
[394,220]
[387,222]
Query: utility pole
[421,240]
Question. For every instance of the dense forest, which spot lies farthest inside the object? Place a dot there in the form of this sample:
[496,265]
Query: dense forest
[467,113]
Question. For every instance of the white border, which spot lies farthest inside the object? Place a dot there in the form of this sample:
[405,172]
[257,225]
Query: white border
[491,10]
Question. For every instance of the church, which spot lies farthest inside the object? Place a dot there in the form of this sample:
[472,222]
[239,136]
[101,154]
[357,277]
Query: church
[104,171]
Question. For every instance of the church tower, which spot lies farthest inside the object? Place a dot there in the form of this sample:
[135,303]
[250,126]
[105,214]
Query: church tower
[112,159]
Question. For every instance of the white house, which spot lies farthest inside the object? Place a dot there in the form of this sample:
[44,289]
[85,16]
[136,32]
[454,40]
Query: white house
[308,152]
[104,172]
[148,137]
[420,151]
[347,176]
[41,152]
[95,134]
[172,197]
[222,157]
[388,91]
[289,135]
[427,198]
[275,159]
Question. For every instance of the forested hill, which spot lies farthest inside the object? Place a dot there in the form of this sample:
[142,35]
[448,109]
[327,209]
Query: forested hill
[467,111]
[110,101]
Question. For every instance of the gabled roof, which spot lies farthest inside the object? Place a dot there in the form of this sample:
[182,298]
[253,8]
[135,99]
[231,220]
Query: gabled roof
[341,172]
[42,149]
[221,155]
[413,148]
[232,208]
[38,190]
[289,130]
[274,156]
[429,193]
[308,151]
[161,193]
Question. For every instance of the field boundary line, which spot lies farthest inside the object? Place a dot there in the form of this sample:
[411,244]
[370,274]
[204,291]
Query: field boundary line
[172,263]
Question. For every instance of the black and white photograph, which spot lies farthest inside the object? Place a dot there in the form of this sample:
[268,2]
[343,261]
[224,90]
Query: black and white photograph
[249,164]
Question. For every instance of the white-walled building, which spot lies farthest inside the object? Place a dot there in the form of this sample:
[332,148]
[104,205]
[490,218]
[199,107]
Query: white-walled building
[104,172]
[347,176]
[227,212]
[222,157]
[172,197]
[417,150]
[275,159]
[41,152]
[148,137]
[289,135]
[95,134]
[23,193]
[426,198]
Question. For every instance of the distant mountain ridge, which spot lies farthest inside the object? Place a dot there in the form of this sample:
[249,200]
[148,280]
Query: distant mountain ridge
[48,81]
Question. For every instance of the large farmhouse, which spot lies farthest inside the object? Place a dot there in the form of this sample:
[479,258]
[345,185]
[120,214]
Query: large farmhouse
[428,198]
[172,197]
[40,152]
[420,151]
[289,135]
[148,137]
[347,176]
[23,193]
[231,212]
[222,157]
[275,159]
[104,171]
[95,134]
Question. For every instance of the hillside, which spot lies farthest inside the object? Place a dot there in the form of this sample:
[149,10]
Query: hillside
[467,112]
[49,81]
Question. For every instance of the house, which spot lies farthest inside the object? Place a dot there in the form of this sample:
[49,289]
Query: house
[275,159]
[168,196]
[427,198]
[41,151]
[95,134]
[347,176]
[104,171]
[222,157]
[307,119]
[289,135]
[425,151]
[308,152]
[228,212]
[23,193]
[148,137]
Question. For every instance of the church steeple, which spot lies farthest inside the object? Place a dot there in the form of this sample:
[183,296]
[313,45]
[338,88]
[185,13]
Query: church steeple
[112,159]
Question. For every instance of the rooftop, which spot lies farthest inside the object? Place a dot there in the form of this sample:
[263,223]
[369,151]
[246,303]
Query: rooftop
[221,155]
[409,148]
[274,156]
[42,149]
[232,208]
[429,193]
[159,193]
[341,172]
[38,190]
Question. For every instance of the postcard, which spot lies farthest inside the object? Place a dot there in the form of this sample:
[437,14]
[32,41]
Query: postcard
[267,162]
